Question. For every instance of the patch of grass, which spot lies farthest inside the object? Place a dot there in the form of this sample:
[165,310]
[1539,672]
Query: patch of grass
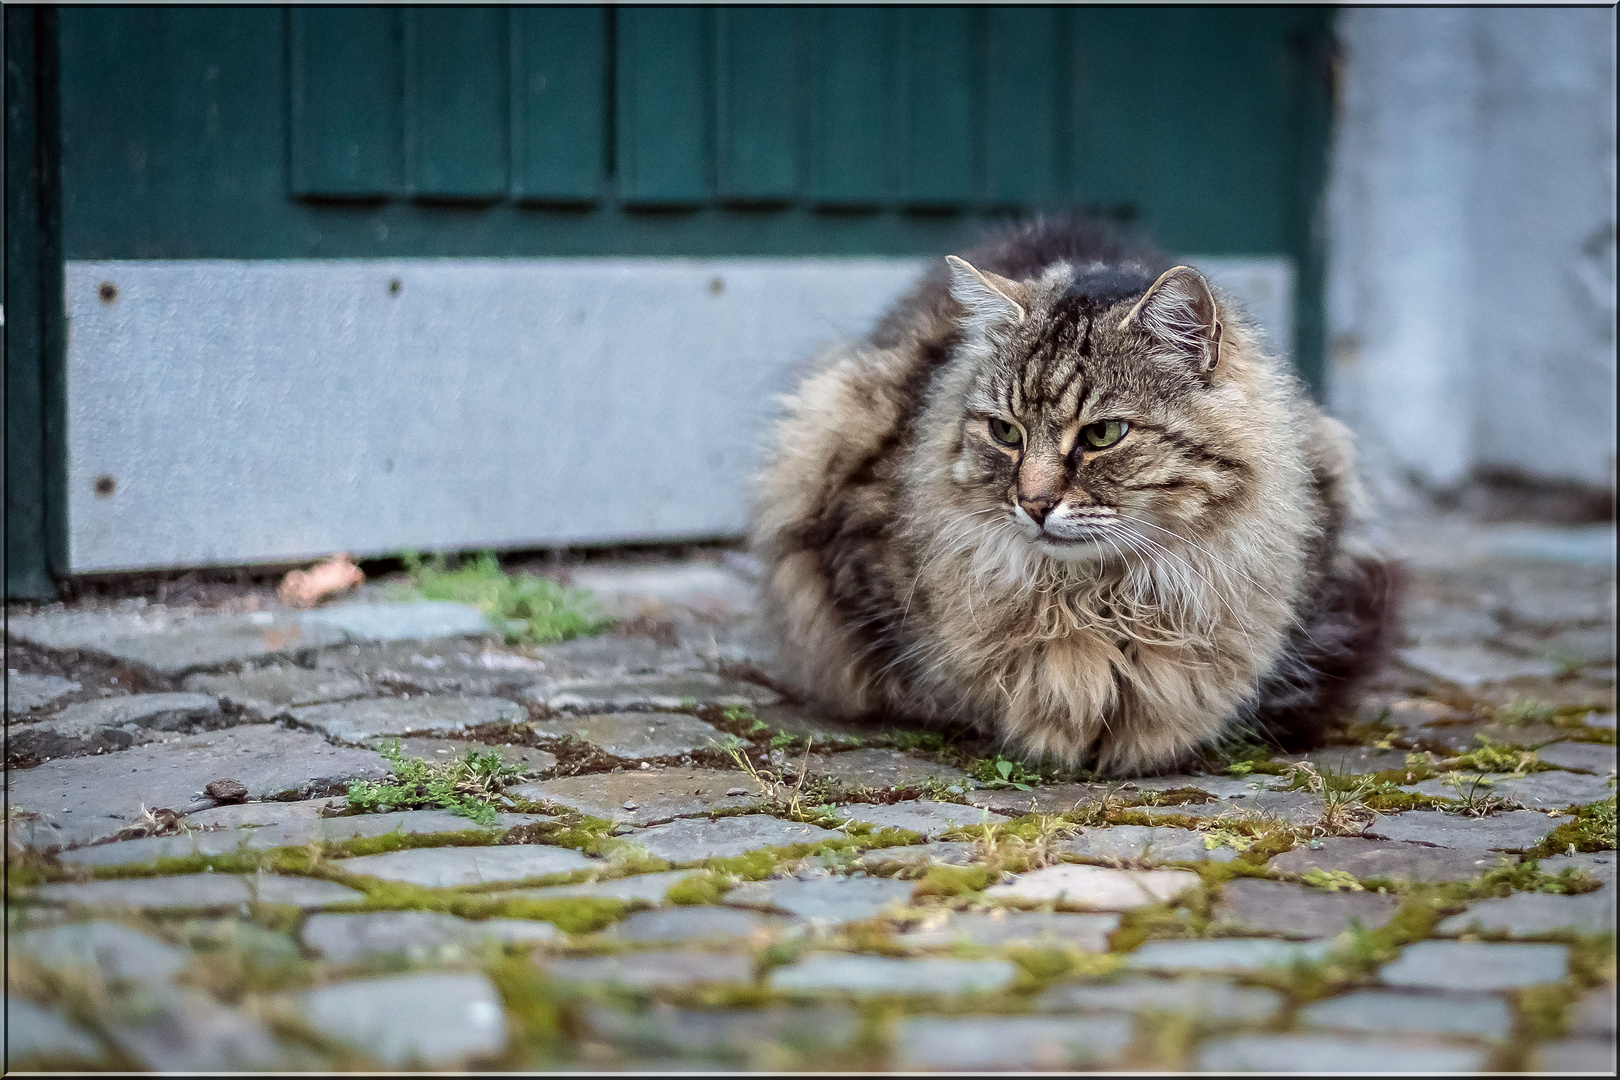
[1592,830]
[466,786]
[1000,772]
[1331,880]
[926,741]
[532,1003]
[702,888]
[530,610]
[1496,757]
[955,881]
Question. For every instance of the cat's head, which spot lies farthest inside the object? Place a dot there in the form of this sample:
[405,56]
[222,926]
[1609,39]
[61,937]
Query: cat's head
[1100,412]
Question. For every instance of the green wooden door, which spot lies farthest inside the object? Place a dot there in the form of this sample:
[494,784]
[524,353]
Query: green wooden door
[188,133]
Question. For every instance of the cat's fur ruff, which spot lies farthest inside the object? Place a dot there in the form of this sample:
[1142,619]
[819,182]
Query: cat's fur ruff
[1212,576]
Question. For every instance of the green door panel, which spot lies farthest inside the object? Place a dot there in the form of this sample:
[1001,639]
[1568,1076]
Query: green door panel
[1023,128]
[346,106]
[559,103]
[758,67]
[662,113]
[456,82]
[852,102]
[938,92]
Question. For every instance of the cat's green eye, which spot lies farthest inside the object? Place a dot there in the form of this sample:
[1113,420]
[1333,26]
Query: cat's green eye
[1005,432]
[1104,433]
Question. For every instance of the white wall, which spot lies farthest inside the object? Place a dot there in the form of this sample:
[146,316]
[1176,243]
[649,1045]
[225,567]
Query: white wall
[1471,209]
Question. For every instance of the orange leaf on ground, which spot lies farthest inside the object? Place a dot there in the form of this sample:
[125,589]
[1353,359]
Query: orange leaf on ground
[306,588]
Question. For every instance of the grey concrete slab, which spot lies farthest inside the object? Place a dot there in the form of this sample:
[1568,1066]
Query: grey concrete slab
[442,867]
[1206,1002]
[420,935]
[114,723]
[1480,1016]
[1550,790]
[1593,1015]
[197,891]
[639,797]
[86,798]
[363,720]
[1007,1043]
[1474,965]
[925,976]
[650,590]
[1297,911]
[1093,888]
[692,840]
[432,1020]
[635,735]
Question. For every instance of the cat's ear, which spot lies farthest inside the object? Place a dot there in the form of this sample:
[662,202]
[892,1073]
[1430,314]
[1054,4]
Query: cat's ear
[1180,311]
[992,301]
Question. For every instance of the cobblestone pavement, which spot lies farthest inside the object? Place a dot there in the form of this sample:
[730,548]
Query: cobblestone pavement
[694,872]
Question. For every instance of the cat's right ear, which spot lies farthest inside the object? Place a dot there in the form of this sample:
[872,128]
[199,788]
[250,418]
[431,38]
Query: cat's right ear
[992,301]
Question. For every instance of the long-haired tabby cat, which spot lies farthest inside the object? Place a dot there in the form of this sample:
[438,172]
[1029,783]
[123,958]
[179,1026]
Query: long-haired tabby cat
[1060,492]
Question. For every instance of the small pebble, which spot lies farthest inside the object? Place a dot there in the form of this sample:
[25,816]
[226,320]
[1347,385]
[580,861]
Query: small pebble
[227,790]
[737,791]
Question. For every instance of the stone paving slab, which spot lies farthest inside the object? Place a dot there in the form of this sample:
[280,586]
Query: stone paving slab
[1093,888]
[651,591]
[691,925]
[1480,1016]
[612,655]
[645,970]
[1004,928]
[411,1020]
[442,867]
[345,938]
[34,1033]
[1224,955]
[820,731]
[811,1030]
[1268,907]
[1221,787]
[1046,799]
[626,693]
[1538,791]
[1473,665]
[1599,864]
[531,759]
[929,976]
[264,693]
[693,840]
[187,1031]
[456,666]
[1527,914]
[1331,1053]
[925,818]
[358,721]
[107,949]
[415,620]
[637,888]
[635,735]
[1293,807]
[1575,1056]
[172,643]
[828,899]
[640,798]
[114,723]
[1202,1001]
[1472,965]
[878,770]
[1594,1014]
[916,856]
[1514,830]
[1354,760]
[86,798]
[1592,757]
[25,693]
[199,891]
[1007,1043]
[1363,858]
[1148,844]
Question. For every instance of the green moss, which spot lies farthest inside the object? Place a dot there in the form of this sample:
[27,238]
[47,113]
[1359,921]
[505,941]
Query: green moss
[704,888]
[1386,801]
[1592,830]
[530,610]
[955,881]
[532,1006]
[926,741]
[1541,1013]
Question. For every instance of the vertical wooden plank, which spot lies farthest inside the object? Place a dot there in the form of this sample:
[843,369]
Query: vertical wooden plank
[347,85]
[559,103]
[852,106]
[662,106]
[457,96]
[1021,115]
[939,87]
[757,92]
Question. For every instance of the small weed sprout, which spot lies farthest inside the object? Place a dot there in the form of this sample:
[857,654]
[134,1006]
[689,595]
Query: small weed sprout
[1526,711]
[774,790]
[1494,757]
[1474,794]
[466,786]
[999,772]
[530,610]
[1344,799]
[1332,880]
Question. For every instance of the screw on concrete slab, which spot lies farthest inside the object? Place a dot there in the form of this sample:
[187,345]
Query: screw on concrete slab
[394,286]
[105,486]
[107,291]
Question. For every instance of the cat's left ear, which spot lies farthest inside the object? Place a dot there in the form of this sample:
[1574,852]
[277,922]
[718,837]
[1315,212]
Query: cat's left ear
[991,300]
[1180,311]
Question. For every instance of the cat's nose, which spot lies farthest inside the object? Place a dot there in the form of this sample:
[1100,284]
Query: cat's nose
[1038,507]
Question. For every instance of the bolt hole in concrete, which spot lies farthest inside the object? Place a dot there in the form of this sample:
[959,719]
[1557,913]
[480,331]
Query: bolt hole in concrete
[394,286]
[108,292]
[105,486]
[717,285]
